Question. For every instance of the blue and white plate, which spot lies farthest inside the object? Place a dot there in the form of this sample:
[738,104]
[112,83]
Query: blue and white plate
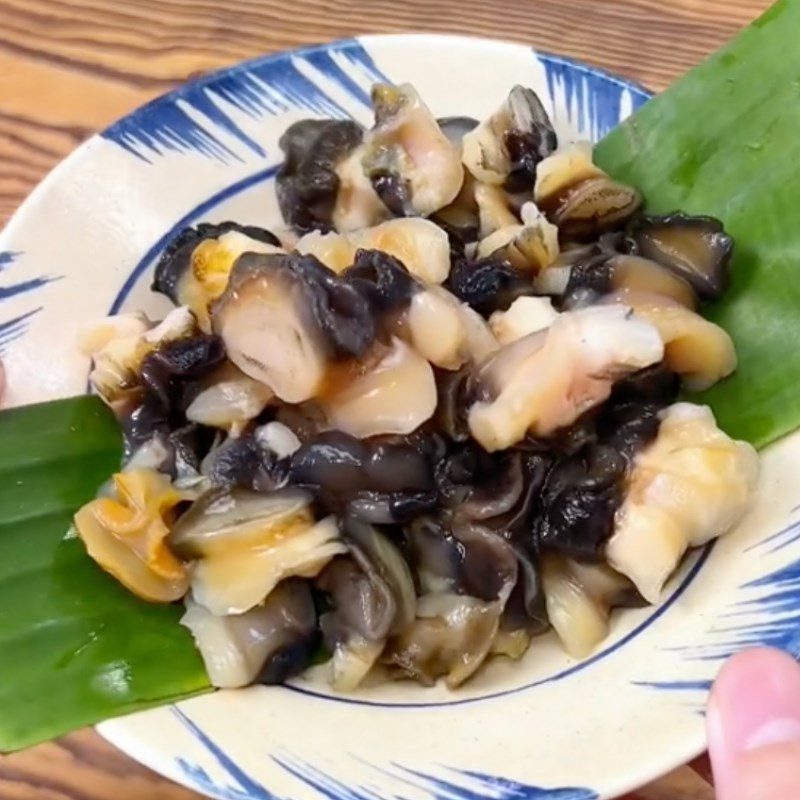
[548,728]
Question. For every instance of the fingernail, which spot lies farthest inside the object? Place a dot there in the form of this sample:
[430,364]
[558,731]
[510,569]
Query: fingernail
[755,703]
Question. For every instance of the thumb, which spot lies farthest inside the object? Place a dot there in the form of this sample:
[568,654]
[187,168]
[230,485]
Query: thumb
[753,726]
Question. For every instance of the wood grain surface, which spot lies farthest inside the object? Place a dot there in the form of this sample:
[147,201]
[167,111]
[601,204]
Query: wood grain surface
[70,67]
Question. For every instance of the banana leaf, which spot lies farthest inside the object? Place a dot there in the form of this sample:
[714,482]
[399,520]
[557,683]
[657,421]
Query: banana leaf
[725,141]
[75,647]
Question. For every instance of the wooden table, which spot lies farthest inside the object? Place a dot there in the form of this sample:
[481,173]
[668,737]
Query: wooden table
[70,67]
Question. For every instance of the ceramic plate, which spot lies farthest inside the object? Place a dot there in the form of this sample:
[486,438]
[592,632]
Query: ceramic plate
[548,728]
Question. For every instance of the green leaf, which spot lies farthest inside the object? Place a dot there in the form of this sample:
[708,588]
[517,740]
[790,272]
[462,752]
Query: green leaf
[725,141]
[75,647]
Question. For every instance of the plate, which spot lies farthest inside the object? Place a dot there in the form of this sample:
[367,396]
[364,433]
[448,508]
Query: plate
[548,728]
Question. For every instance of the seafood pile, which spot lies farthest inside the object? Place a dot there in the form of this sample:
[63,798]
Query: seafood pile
[431,417]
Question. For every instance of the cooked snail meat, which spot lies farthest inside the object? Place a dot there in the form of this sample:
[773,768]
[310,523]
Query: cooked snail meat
[488,284]
[420,245]
[692,484]
[699,351]
[373,597]
[249,461]
[414,168]
[228,399]
[579,197]
[244,543]
[393,391]
[507,148]
[126,535]
[526,315]
[308,184]
[194,268]
[374,480]
[494,209]
[600,273]
[546,380]
[696,249]
[530,247]
[579,600]
[451,637]
[284,317]
[118,348]
[267,644]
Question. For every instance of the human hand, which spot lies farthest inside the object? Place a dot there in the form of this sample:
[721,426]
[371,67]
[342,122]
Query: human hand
[753,724]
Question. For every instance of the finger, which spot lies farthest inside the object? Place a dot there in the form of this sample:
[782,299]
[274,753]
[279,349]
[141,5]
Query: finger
[753,726]
[767,773]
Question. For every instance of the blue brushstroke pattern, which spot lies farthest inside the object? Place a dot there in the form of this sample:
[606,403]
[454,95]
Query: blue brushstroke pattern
[780,604]
[244,788]
[483,786]
[264,87]
[327,786]
[24,286]
[468,786]
[677,686]
[6,258]
[783,538]
[775,597]
[202,782]
[465,785]
[778,600]
[593,98]
[12,329]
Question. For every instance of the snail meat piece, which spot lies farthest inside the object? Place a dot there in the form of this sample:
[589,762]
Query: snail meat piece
[118,346]
[581,495]
[691,485]
[308,183]
[546,380]
[391,391]
[579,198]
[194,268]
[451,637]
[228,399]
[419,244]
[494,209]
[249,461]
[579,600]
[414,168]
[373,480]
[373,597]
[283,318]
[530,247]
[488,284]
[507,148]
[695,348]
[696,249]
[166,371]
[126,534]
[244,543]
[268,644]
[601,273]
[526,315]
